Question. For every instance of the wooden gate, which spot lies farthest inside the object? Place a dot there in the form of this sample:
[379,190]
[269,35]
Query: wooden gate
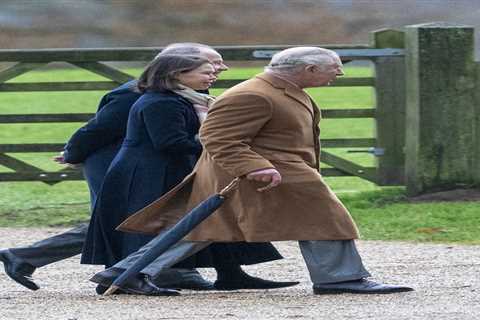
[385,52]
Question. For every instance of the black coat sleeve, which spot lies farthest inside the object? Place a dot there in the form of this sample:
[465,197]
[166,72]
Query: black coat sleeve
[106,128]
[166,124]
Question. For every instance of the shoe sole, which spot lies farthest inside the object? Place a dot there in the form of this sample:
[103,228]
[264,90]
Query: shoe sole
[158,294]
[341,291]
[189,288]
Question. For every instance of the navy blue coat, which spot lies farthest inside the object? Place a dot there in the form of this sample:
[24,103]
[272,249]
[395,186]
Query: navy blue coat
[96,143]
[159,150]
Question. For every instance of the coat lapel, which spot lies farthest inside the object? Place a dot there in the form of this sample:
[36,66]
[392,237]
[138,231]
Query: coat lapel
[317,113]
[290,91]
[301,97]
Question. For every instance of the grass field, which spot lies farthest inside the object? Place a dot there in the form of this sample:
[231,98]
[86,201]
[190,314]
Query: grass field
[382,213]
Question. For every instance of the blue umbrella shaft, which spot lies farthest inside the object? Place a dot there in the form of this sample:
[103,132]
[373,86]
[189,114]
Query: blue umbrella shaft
[172,236]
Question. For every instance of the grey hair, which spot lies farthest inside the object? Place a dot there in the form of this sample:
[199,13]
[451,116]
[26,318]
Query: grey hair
[184,48]
[293,59]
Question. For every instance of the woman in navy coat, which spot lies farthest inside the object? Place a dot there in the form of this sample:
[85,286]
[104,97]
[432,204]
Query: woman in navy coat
[159,150]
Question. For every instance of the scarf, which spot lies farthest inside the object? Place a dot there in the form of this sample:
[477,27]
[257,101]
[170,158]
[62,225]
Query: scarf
[201,101]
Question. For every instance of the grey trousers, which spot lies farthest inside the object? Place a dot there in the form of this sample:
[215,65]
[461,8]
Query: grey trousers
[327,261]
[331,261]
[53,249]
[70,243]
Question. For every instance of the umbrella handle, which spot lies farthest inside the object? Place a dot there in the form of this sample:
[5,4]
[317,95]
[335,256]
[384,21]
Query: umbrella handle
[231,186]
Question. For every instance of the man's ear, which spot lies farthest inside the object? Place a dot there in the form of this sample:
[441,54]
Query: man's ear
[310,68]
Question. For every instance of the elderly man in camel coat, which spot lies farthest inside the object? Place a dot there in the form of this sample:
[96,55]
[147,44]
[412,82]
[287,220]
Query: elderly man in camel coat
[265,130]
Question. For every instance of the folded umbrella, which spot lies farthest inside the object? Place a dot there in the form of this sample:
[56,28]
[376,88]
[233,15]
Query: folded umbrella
[174,235]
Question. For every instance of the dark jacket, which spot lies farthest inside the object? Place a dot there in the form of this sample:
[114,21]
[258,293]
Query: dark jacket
[159,150]
[96,143]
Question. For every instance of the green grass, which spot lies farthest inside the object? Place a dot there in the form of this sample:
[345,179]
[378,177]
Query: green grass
[37,204]
[388,215]
[381,213]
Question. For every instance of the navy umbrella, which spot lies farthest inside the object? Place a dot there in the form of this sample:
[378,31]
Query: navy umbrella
[174,235]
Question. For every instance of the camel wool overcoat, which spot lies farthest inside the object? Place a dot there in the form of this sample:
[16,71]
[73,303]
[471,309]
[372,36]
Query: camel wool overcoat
[264,122]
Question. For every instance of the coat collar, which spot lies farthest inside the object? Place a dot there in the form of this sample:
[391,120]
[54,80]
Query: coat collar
[290,90]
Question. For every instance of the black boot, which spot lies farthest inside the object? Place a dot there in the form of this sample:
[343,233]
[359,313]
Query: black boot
[234,278]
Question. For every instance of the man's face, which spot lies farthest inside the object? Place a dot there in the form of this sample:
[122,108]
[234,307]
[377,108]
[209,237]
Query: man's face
[216,60]
[324,76]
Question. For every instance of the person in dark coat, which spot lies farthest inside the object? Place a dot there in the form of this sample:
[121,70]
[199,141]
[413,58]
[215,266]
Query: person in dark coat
[96,144]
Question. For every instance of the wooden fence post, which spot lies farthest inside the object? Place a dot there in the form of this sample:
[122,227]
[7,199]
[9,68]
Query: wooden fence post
[390,108]
[476,161]
[442,116]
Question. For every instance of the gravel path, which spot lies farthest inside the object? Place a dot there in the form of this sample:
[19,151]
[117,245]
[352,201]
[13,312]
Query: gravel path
[446,279]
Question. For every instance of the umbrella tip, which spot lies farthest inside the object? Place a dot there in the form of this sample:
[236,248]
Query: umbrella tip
[111,290]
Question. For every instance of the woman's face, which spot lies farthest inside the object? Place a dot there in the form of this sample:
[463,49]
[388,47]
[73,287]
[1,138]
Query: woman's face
[200,78]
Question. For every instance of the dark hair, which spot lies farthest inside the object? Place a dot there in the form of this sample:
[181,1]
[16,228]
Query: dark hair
[160,74]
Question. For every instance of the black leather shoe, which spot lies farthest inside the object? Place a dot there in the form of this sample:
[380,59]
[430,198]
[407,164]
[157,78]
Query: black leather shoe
[250,282]
[144,286]
[106,277]
[18,270]
[362,286]
[139,286]
[197,283]
[100,289]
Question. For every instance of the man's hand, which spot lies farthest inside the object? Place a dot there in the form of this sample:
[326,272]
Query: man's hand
[266,175]
[60,159]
